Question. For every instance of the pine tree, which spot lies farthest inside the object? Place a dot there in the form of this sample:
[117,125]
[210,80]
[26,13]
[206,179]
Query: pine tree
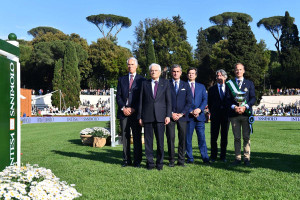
[290,53]
[57,82]
[243,48]
[70,77]
[150,54]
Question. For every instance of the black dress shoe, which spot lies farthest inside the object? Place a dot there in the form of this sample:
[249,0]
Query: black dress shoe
[190,162]
[236,162]
[150,168]
[213,160]
[247,162]
[125,164]
[171,164]
[159,168]
[138,165]
[181,164]
[206,162]
[223,160]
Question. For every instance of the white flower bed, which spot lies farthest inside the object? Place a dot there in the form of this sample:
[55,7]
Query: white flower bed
[33,182]
[91,131]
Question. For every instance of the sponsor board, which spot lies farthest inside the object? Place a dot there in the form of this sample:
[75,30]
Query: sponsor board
[35,120]
[8,114]
[277,119]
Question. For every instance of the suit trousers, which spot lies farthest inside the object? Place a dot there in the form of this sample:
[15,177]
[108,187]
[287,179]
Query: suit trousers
[237,123]
[219,121]
[159,130]
[181,127]
[200,130]
[126,124]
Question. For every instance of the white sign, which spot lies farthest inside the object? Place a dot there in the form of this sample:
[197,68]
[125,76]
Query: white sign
[35,120]
[278,119]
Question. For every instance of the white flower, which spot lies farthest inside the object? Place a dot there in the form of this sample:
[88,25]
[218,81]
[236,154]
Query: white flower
[40,182]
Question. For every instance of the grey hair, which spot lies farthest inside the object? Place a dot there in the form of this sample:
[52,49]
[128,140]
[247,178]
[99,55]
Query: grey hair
[154,64]
[133,58]
[222,71]
[175,66]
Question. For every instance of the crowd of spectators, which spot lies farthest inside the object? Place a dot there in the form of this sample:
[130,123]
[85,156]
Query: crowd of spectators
[282,91]
[102,107]
[94,92]
[280,110]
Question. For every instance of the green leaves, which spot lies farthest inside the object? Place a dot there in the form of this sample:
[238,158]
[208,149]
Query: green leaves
[111,22]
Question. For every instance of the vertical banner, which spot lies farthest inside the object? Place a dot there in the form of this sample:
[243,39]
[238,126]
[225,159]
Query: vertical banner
[10,131]
[8,112]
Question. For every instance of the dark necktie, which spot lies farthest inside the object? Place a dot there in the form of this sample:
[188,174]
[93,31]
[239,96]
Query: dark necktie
[239,82]
[221,92]
[131,81]
[155,88]
[193,89]
[176,87]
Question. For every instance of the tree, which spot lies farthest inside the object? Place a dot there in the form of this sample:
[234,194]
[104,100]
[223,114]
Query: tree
[290,52]
[243,48]
[40,30]
[150,54]
[109,21]
[170,43]
[70,76]
[208,38]
[274,26]
[43,58]
[224,21]
[57,82]
[108,61]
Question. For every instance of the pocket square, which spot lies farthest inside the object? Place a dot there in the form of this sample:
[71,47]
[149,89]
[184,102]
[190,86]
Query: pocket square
[183,89]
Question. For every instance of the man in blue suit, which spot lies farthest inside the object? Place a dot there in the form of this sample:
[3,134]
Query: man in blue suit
[181,103]
[239,114]
[196,118]
[155,111]
[128,95]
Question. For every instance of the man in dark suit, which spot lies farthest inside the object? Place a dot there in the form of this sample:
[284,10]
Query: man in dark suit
[181,103]
[155,111]
[128,95]
[219,115]
[196,118]
[239,114]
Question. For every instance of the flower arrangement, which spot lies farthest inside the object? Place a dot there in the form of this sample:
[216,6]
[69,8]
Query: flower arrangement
[96,132]
[33,182]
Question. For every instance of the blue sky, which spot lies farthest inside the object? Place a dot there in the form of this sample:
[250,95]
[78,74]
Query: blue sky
[69,16]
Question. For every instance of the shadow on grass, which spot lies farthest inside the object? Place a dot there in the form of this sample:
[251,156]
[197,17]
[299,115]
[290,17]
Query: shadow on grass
[290,129]
[274,161]
[106,155]
[76,141]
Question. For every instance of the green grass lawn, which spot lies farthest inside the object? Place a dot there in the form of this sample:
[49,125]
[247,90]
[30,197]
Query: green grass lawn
[97,172]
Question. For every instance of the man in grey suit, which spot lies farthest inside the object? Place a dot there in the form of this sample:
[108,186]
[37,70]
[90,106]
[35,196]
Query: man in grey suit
[239,114]
[155,110]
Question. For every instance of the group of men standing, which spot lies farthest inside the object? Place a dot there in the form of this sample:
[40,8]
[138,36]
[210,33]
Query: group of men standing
[158,104]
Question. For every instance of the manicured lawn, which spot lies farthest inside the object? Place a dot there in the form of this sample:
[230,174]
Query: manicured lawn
[97,172]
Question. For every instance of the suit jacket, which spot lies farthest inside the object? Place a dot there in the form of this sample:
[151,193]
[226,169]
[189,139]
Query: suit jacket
[248,87]
[133,95]
[155,110]
[215,104]
[182,101]
[199,101]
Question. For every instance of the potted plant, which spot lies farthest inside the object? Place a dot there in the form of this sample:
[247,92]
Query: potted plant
[86,136]
[100,135]
[94,136]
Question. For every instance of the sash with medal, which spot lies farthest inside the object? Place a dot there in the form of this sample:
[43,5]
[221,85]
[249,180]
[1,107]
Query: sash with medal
[239,96]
